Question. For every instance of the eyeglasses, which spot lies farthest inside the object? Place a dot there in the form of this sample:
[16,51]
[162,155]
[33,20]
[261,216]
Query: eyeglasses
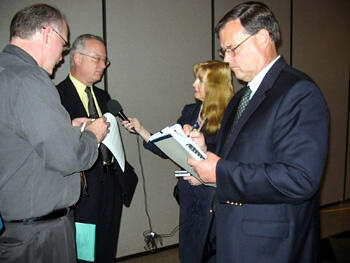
[222,51]
[105,61]
[66,46]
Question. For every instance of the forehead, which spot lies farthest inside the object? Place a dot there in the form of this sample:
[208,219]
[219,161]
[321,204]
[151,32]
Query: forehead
[231,33]
[95,46]
[64,28]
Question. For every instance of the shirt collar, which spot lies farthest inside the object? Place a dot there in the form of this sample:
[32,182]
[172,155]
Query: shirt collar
[20,53]
[78,85]
[256,81]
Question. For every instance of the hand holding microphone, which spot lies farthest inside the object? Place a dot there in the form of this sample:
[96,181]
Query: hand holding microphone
[131,124]
[115,108]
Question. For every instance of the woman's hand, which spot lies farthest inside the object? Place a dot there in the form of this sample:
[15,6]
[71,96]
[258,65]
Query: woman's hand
[192,180]
[196,136]
[134,125]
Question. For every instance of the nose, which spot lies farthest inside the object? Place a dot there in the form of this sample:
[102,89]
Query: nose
[227,57]
[103,64]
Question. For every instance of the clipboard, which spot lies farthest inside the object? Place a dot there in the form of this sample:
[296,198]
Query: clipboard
[177,146]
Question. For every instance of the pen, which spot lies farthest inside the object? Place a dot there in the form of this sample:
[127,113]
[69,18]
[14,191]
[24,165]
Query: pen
[197,126]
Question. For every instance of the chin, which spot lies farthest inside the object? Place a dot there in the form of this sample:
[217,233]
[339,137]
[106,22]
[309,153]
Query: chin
[238,75]
[49,71]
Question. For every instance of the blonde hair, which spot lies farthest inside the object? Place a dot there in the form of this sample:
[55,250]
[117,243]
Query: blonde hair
[217,79]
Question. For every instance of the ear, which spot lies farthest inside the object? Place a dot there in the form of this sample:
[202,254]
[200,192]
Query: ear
[263,37]
[46,34]
[77,58]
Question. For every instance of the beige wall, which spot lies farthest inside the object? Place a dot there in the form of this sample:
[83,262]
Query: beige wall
[153,45]
[321,49]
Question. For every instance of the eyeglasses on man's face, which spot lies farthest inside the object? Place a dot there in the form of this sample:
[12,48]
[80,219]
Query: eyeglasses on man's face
[105,61]
[66,46]
[222,51]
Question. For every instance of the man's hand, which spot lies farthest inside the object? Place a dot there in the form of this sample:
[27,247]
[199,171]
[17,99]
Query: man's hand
[99,127]
[79,122]
[206,169]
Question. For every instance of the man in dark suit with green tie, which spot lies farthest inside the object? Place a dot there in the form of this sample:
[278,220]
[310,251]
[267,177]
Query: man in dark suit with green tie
[268,167]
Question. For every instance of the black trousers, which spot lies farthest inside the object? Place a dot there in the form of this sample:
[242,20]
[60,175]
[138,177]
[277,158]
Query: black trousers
[102,207]
[209,254]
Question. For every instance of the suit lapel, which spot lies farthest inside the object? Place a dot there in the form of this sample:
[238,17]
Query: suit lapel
[227,120]
[256,100]
[75,101]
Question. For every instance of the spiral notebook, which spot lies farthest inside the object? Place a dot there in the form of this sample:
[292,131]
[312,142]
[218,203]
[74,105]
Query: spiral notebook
[177,146]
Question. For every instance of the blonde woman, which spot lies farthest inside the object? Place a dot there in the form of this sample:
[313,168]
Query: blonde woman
[212,91]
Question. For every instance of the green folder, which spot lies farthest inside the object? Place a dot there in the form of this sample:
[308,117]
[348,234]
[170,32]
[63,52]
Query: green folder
[85,239]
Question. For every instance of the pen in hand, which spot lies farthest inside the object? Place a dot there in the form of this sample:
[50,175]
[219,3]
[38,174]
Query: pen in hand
[197,126]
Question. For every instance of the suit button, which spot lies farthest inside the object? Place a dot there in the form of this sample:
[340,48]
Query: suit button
[232,203]
[211,211]
[240,204]
[228,202]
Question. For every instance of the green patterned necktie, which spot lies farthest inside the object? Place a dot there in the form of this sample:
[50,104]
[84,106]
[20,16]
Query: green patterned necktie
[240,109]
[242,104]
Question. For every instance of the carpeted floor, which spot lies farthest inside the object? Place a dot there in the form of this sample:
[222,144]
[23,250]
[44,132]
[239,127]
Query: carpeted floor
[335,249]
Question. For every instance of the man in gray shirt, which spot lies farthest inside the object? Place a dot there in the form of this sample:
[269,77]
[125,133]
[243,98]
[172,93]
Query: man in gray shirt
[41,152]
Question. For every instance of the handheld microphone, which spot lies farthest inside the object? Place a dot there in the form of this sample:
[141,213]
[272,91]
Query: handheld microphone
[115,108]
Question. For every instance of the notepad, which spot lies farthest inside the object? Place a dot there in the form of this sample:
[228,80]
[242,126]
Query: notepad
[85,240]
[177,146]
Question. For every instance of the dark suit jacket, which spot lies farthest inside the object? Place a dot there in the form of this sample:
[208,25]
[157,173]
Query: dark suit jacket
[106,192]
[268,180]
[195,201]
[71,101]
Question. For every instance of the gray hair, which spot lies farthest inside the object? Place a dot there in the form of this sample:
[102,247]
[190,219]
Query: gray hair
[79,45]
[29,20]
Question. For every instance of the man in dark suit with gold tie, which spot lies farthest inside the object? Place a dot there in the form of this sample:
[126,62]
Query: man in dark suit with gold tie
[268,167]
[101,204]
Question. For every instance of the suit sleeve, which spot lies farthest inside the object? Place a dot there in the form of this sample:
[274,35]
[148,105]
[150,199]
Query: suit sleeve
[287,165]
[188,114]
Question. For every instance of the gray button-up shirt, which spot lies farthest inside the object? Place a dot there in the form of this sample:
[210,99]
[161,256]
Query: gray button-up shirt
[41,153]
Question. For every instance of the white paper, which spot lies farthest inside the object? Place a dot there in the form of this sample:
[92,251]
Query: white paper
[113,140]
